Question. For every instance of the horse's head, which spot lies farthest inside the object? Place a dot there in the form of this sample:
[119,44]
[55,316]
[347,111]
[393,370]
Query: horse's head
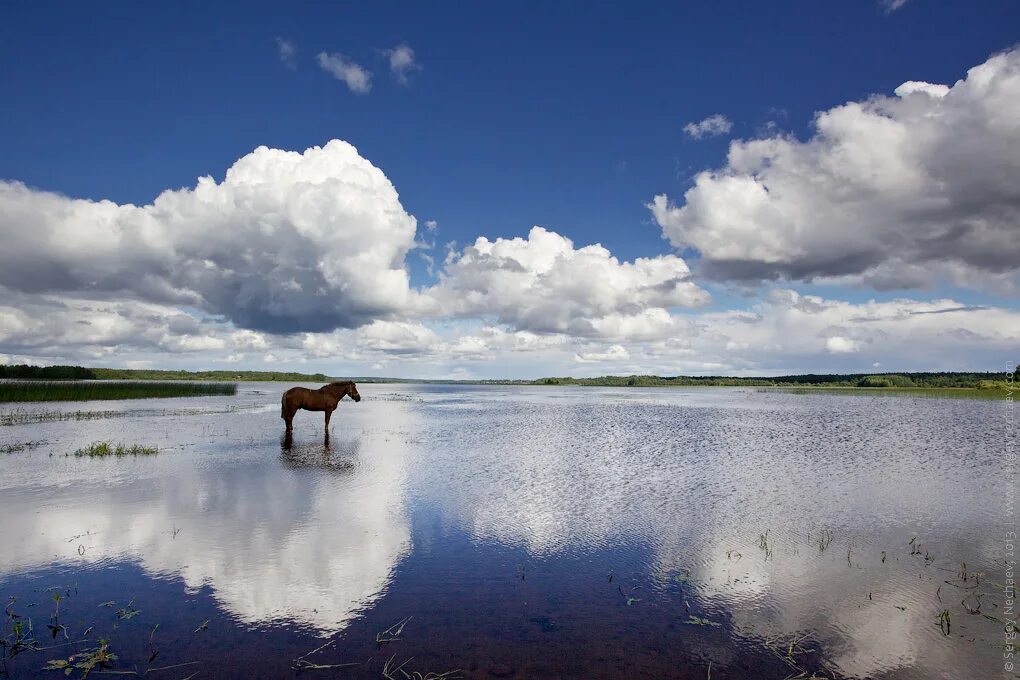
[345,389]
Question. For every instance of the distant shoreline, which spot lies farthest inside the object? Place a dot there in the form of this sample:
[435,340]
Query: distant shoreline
[983,381]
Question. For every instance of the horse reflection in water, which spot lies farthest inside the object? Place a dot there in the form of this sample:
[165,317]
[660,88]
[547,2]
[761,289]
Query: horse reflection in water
[323,399]
[341,456]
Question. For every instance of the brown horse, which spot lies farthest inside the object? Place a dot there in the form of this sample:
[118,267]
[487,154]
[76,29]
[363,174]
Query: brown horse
[323,399]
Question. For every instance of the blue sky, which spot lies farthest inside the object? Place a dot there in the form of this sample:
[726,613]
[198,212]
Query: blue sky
[521,115]
[568,116]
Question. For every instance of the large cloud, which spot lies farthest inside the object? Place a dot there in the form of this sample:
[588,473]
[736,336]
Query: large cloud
[544,284]
[287,241]
[890,191]
[784,332]
[791,330]
[76,329]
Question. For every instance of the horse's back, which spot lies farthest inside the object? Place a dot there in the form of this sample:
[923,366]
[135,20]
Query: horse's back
[304,398]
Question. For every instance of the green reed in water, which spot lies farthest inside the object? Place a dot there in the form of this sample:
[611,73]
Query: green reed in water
[37,390]
[104,449]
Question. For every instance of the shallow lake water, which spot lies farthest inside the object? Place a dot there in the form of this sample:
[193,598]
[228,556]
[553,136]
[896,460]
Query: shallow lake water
[538,532]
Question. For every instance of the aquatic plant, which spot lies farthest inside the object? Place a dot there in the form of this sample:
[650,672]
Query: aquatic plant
[18,636]
[55,626]
[392,634]
[302,663]
[18,447]
[99,657]
[825,539]
[129,612]
[945,621]
[975,598]
[104,449]
[390,672]
[790,653]
[698,621]
[765,544]
[626,592]
[23,391]
[35,417]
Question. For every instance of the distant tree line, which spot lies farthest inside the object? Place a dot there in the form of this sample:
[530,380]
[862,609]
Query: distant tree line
[900,380]
[25,372]
[249,376]
[986,380]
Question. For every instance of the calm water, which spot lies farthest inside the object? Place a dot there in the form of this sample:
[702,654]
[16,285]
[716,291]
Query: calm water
[528,532]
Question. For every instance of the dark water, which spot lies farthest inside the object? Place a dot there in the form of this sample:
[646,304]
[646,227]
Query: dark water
[527,532]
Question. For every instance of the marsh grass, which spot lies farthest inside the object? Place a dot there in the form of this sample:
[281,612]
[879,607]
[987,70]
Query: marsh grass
[38,390]
[392,634]
[105,449]
[35,417]
[391,672]
[18,447]
[825,537]
[699,621]
[945,622]
[766,544]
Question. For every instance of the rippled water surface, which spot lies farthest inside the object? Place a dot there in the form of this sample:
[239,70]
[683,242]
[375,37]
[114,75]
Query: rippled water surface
[526,532]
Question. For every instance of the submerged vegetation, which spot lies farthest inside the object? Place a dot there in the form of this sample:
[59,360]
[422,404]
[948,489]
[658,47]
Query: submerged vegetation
[32,416]
[24,417]
[104,449]
[18,447]
[87,390]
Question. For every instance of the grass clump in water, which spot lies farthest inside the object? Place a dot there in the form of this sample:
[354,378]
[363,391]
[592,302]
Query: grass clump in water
[104,449]
[18,447]
[39,390]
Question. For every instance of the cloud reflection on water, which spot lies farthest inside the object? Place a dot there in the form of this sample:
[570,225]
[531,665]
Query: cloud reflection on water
[673,485]
[310,535]
[697,477]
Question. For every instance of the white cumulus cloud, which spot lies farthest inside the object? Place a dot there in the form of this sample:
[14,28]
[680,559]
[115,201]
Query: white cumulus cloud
[612,353]
[893,191]
[287,241]
[544,284]
[837,344]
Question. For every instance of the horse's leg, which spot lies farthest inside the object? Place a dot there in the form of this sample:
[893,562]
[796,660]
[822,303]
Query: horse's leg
[329,414]
[287,412]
